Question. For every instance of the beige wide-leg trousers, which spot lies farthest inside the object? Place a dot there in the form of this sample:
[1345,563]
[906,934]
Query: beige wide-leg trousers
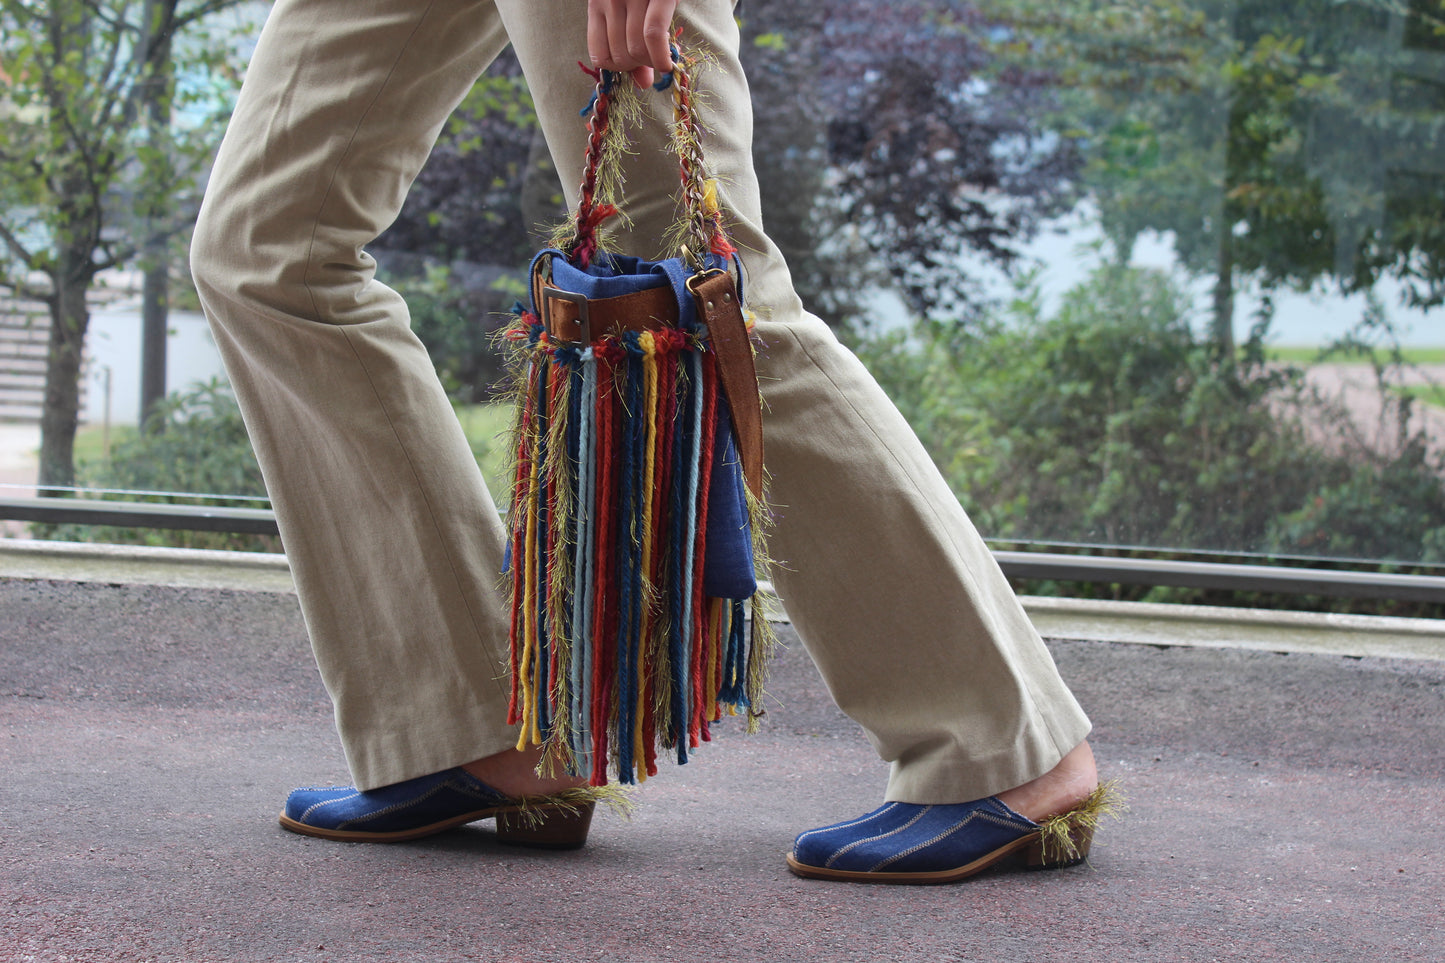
[395,543]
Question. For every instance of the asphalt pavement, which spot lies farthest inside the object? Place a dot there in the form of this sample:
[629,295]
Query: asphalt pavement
[1283,807]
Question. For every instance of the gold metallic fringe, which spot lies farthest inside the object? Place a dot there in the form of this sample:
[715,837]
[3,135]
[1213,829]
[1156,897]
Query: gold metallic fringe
[1056,834]
[764,636]
[535,809]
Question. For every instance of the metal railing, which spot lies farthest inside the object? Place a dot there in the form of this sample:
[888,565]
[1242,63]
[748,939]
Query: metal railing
[1065,567]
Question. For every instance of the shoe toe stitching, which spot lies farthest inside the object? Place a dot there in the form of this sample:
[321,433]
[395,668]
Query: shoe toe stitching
[877,813]
[871,839]
[306,815]
[961,825]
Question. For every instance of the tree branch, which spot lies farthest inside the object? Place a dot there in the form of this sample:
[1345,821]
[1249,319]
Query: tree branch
[201,11]
[20,11]
[23,289]
[100,13]
[115,257]
[13,243]
[25,292]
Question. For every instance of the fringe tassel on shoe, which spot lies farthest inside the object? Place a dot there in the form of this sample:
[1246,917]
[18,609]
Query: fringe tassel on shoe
[1060,836]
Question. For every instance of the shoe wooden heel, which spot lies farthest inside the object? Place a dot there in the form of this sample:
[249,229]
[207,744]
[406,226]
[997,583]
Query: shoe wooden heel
[1049,851]
[546,826]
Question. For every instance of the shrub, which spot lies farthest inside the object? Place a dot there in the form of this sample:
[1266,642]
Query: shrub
[456,312]
[198,446]
[1111,422]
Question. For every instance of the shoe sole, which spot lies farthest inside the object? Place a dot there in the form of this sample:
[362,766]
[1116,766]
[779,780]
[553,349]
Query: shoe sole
[1029,847]
[539,826]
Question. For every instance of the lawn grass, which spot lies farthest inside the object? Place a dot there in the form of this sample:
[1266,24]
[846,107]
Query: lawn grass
[1308,355]
[1433,395]
[486,426]
[90,442]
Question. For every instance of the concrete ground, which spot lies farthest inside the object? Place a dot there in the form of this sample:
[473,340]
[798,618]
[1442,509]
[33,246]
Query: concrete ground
[1284,807]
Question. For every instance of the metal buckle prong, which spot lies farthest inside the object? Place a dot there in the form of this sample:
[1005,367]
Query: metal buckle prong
[584,317]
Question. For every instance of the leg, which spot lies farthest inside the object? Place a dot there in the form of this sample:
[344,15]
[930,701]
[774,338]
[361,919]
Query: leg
[393,540]
[907,616]
[901,604]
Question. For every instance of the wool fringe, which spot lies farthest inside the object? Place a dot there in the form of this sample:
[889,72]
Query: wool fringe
[615,652]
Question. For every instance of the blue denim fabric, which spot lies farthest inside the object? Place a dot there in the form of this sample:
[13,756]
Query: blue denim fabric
[912,838]
[728,565]
[728,571]
[399,807]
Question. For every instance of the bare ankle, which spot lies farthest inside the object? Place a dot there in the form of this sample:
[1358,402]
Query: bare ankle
[1057,790]
[514,772]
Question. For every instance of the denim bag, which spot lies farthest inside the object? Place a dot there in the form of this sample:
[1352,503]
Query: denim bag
[637,502]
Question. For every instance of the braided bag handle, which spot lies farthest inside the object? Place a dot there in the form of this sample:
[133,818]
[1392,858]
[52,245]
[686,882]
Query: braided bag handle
[698,194]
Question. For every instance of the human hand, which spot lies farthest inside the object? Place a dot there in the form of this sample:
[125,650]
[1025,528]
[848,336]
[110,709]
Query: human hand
[631,37]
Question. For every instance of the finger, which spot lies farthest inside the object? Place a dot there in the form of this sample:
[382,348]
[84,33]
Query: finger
[617,17]
[598,48]
[642,77]
[657,34]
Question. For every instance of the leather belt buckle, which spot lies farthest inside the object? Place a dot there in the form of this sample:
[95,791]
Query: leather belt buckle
[584,317]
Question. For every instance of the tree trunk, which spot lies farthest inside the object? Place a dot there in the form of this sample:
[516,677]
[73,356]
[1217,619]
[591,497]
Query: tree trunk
[69,319]
[159,214]
[1222,323]
[1237,118]
[155,317]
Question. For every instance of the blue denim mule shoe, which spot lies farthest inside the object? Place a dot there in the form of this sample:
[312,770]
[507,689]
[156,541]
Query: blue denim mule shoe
[912,843]
[433,804]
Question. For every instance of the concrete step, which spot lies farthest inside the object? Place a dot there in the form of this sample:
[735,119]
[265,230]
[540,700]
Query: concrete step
[13,337]
[12,343]
[24,342]
[26,414]
[24,346]
[21,366]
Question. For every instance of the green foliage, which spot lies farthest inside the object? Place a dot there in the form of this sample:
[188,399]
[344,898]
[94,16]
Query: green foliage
[1276,141]
[458,323]
[198,446]
[488,193]
[100,145]
[1111,422]
[487,427]
[1393,510]
[80,154]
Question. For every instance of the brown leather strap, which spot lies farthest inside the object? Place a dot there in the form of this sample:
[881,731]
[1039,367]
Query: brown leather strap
[721,309]
[649,310]
[718,306]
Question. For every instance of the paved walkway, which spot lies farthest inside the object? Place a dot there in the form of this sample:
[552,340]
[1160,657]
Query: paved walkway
[1352,387]
[19,453]
[1285,807]
[19,463]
